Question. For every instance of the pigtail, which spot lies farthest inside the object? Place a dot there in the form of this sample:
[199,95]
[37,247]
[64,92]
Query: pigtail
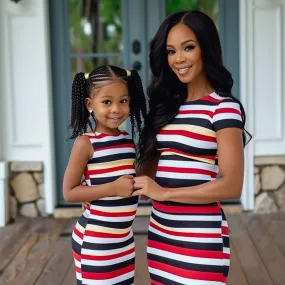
[138,109]
[79,113]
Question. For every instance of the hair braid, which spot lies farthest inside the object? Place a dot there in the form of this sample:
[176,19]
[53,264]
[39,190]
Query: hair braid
[79,113]
[138,102]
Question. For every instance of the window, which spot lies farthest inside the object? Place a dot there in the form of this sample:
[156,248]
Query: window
[95,32]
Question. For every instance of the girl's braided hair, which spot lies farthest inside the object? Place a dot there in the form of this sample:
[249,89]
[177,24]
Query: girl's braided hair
[83,85]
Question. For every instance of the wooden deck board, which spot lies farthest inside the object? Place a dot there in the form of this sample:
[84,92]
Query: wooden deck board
[266,247]
[38,251]
[252,265]
[236,274]
[58,265]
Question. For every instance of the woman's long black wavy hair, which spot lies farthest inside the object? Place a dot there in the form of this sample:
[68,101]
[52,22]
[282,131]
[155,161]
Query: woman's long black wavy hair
[166,92]
[83,85]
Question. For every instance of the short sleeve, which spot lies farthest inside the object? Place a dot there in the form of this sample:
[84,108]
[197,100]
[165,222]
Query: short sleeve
[227,115]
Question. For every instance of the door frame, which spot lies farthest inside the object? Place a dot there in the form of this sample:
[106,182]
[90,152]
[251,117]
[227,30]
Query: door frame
[230,20]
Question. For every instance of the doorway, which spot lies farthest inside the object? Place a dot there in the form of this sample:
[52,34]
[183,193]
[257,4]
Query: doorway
[89,33]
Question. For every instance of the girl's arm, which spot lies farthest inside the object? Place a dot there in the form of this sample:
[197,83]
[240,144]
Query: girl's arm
[72,190]
[229,186]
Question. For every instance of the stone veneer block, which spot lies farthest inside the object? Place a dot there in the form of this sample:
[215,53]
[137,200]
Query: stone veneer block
[25,187]
[272,177]
[42,207]
[39,177]
[29,166]
[13,207]
[280,197]
[264,204]
[41,190]
[29,210]
[257,184]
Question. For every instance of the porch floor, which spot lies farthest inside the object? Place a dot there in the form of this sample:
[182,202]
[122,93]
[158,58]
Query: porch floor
[38,252]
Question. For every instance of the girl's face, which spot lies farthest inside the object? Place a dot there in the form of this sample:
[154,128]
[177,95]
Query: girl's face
[111,106]
[184,53]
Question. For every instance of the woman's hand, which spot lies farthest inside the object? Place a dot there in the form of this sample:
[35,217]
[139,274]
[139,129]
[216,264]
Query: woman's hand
[147,187]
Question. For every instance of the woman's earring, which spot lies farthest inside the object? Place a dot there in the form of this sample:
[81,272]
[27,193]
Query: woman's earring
[90,111]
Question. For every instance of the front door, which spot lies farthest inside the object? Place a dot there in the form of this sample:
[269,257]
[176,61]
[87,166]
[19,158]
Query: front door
[86,34]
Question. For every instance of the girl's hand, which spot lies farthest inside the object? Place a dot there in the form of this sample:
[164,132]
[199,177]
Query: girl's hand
[124,186]
[147,187]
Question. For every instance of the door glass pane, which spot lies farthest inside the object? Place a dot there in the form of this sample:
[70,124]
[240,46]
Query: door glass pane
[95,26]
[210,7]
[87,64]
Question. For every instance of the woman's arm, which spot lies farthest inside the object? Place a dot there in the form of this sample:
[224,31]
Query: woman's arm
[72,190]
[229,186]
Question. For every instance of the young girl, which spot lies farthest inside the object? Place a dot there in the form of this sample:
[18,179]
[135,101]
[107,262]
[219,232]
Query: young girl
[102,240]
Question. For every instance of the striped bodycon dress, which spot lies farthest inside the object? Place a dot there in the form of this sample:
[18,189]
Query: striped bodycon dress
[102,240]
[189,243]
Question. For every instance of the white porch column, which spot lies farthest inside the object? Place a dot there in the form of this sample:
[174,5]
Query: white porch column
[246,87]
[4,195]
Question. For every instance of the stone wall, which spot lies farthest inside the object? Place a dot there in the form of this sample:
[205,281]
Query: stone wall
[26,189]
[269,184]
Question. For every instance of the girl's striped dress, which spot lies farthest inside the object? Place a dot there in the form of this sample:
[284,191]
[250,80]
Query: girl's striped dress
[102,240]
[189,244]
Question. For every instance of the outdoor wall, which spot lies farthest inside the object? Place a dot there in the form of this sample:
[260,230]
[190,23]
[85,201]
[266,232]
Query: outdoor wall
[27,119]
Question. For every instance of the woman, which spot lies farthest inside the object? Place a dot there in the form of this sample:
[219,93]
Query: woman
[192,118]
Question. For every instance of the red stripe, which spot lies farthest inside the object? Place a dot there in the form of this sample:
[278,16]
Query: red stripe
[108,275]
[107,214]
[186,251]
[105,235]
[199,112]
[78,233]
[111,169]
[116,146]
[183,234]
[188,134]
[76,256]
[186,209]
[226,256]
[187,170]
[78,269]
[212,99]
[225,230]
[107,257]
[86,174]
[198,275]
[227,110]
[153,282]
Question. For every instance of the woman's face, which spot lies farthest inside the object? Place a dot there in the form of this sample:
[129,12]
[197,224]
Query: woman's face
[184,53]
